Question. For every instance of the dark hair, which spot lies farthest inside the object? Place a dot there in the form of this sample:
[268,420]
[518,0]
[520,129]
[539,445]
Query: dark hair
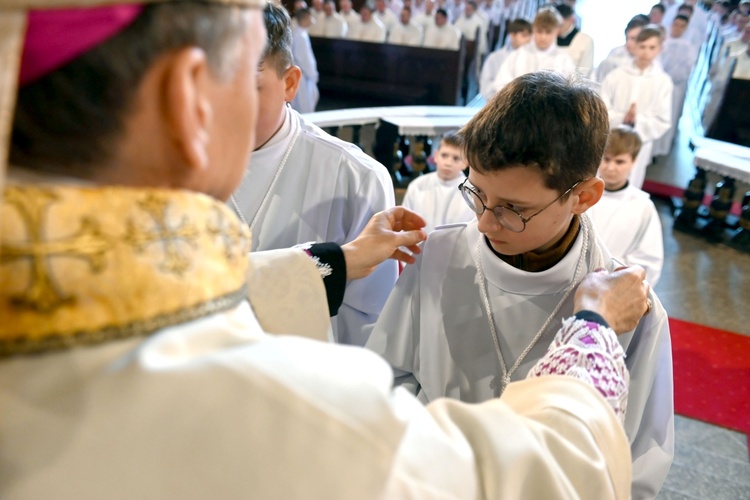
[638,21]
[547,18]
[452,138]
[658,7]
[278,51]
[540,120]
[519,25]
[69,121]
[442,12]
[565,10]
[689,8]
[650,31]
[683,17]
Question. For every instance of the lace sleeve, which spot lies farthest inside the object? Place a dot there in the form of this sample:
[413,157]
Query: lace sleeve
[329,259]
[590,352]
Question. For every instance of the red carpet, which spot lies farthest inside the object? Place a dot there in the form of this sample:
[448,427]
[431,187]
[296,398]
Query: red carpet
[711,375]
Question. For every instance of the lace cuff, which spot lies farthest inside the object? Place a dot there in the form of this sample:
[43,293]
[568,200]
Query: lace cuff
[329,259]
[590,352]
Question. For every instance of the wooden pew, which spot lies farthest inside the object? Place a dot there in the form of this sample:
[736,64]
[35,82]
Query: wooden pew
[386,74]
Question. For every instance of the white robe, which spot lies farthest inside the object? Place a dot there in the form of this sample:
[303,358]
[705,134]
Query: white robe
[678,57]
[352,19]
[651,90]
[411,35]
[581,51]
[528,59]
[490,68]
[316,28]
[442,37]
[327,191]
[333,26]
[468,27]
[619,56]
[439,202]
[425,20]
[372,31]
[387,17]
[697,29]
[307,93]
[628,224]
[434,333]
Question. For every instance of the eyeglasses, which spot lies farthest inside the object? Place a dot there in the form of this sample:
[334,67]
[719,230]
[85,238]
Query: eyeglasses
[507,217]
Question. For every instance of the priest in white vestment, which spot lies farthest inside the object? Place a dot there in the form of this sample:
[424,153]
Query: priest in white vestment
[349,15]
[678,57]
[442,35]
[426,17]
[332,24]
[578,45]
[306,98]
[306,185]
[369,29]
[144,346]
[385,15]
[473,27]
[406,32]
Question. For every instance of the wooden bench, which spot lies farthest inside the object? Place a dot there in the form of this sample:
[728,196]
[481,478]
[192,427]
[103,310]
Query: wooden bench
[386,74]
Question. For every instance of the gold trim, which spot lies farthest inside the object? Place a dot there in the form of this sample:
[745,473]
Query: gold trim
[87,338]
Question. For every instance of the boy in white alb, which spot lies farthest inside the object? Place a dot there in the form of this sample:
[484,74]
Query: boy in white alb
[446,329]
[543,53]
[519,34]
[623,54]
[640,95]
[435,196]
[307,94]
[305,185]
[626,218]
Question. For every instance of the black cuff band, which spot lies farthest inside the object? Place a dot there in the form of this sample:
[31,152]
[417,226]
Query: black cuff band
[335,283]
[592,316]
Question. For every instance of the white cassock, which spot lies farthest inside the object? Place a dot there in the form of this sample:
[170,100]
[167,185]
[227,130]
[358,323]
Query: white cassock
[387,17]
[307,93]
[424,20]
[581,51]
[351,19]
[619,56]
[372,31]
[678,56]
[628,224]
[528,59]
[442,37]
[434,333]
[316,28]
[327,190]
[410,34]
[207,404]
[468,27]
[333,26]
[490,68]
[439,202]
[651,91]
[697,29]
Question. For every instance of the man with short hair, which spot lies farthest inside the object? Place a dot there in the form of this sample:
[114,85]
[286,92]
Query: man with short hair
[369,29]
[442,35]
[578,45]
[332,24]
[406,32]
[349,15]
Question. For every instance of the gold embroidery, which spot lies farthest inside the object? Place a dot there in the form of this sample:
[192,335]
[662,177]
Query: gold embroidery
[167,257]
[174,261]
[43,294]
[232,236]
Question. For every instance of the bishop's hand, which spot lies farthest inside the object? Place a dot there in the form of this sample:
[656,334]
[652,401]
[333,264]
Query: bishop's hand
[620,297]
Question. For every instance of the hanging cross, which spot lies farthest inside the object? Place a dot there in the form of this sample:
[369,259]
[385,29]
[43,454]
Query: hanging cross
[174,262]
[89,243]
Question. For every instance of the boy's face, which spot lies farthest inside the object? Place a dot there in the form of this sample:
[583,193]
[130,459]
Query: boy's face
[678,28]
[520,38]
[521,189]
[273,93]
[648,50]
[449,162]
[614,169]
[544,38]
[655,16]
[631,40]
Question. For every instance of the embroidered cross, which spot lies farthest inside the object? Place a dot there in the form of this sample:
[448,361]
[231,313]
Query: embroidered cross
[174,262]
[232,235]
[89,243]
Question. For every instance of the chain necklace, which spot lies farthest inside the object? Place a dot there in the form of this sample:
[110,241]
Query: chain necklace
[506,374]
[267,196]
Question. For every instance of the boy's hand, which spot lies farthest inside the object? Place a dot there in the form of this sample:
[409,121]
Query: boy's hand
[380,240]
[620,297]
[630,116]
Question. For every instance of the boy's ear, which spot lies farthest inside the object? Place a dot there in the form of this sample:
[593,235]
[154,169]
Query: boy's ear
[292,77]
[187,111]
[588,192]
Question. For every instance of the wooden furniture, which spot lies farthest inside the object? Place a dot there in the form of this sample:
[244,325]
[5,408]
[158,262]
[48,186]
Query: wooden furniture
[385,74]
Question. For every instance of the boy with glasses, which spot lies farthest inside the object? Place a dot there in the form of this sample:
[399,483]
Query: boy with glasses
[450,326]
